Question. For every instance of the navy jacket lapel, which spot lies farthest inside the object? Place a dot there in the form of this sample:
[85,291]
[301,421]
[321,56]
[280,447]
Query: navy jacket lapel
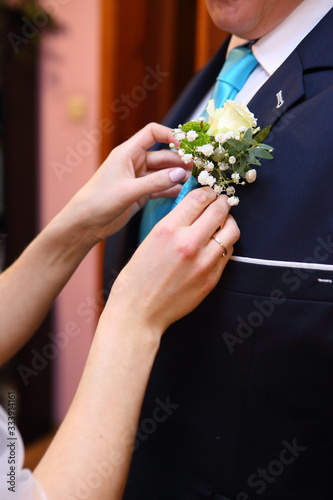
[279,93]
[290,79]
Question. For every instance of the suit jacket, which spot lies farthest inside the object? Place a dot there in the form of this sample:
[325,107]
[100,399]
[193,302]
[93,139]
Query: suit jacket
[240,402]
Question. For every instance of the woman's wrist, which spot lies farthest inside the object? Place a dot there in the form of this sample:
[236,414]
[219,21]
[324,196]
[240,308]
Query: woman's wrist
[67,237]
[133,324]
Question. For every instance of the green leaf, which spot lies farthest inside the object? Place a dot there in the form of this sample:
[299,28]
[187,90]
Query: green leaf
[238,145]
[266,146]
[250,142]
[262,134]
[262,153]
[248,134]
[251,158]
[242,165]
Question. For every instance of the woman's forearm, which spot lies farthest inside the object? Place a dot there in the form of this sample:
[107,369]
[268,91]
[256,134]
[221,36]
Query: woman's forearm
[93,448]
[30,285]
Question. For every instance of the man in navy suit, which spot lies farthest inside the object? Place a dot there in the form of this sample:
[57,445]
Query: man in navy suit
[246,380]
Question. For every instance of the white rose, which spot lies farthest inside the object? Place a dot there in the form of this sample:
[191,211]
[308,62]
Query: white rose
[232,116]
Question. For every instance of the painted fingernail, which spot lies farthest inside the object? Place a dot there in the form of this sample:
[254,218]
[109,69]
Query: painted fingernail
[177,174]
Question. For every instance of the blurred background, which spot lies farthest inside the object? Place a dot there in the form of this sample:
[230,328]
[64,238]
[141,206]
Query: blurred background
[77,77]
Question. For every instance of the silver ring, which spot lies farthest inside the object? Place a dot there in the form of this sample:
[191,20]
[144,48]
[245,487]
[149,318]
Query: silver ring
[225,251]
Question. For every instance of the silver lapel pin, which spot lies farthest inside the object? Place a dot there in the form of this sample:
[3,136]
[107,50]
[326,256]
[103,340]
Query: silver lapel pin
[280,99]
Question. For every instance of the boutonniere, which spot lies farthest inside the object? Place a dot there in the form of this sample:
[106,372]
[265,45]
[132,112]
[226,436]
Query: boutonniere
[225,149]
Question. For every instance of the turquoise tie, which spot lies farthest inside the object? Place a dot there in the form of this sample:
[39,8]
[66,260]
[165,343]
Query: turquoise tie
[234,73]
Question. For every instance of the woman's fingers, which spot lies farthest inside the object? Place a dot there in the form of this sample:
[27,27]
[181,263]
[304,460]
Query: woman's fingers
[151,133]
[191,207]
[222,241]
[202,210]
[212,218]
[172,192]
[158,182]
[204,213]
[157,160]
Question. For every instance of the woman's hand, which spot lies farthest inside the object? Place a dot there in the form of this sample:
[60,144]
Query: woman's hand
[174,268]
[177,265]
[125,181]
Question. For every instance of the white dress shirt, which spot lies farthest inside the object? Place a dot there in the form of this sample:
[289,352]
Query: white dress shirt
[275,47]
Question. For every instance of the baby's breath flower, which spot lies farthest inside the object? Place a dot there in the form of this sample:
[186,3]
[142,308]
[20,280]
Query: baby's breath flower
[221,138]
[202,178]
[219,150]
[233,200]
[211,180]
[223,166]
[172,145]
[235,177]
[191,135]
[181,152]
[230,135]
[205,179]
[218,189]
[230,190]
[198,162]
[179,134]
[209,166]
[242,129]
[187,158]
[232,160]
[207,149]
[251,175]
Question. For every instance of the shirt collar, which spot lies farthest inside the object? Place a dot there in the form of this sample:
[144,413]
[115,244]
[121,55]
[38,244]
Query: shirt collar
[274,48]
